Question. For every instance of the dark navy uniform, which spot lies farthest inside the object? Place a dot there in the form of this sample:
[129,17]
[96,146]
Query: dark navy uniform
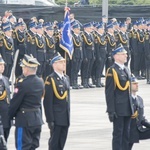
[139,127]
[76,58]
[25,106]
[57,108]
[111,44]
[119,105]
[19,43]
[41,54]
[139,60]
[50,51]
[124,40]
[4,102]
[100,56]
[88,56]
[7,52]
[147,55]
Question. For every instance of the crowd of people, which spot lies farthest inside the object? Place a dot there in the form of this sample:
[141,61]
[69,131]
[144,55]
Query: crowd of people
[121,48]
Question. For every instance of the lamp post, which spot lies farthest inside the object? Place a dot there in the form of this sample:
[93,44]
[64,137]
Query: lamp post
[105,8]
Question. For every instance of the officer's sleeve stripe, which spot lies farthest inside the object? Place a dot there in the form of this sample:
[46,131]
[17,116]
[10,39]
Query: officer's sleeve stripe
[19,138]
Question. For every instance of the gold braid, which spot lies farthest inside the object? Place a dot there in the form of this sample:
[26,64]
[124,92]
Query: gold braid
[18,38]
[56,92]
[36,40]
[124,42]
[3,96]
[48,44]
[6,45]
[99,40]
[117,81]
[76,44]
[85,39]
[138,36]
[110,42]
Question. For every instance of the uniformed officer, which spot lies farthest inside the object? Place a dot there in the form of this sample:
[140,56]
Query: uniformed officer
[88,55]
[139,127]
[19,43]
[7,49]
[119,106]
[123,39]
[4,100]
[25,106]
[111,44]
[100,54]
[40,49]
[57,104]
[30,39]
[147,54]
[50,50]
[139,61]
[77,56]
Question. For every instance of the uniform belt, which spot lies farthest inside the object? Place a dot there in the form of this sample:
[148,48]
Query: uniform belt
[23,110]
[43,51]
[9,53]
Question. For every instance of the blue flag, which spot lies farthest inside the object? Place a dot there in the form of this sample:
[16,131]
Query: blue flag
[66,41]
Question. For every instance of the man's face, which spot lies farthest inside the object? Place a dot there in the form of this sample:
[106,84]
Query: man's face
[2,67]
[60,66]
[134,87]
[121,58]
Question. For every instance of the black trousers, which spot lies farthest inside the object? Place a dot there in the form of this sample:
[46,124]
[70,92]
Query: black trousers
[121,133]
[142,136]
[27,138]
[6,133]
[58,137]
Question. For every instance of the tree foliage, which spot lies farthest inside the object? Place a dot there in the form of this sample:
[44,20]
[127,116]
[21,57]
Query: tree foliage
[111,2]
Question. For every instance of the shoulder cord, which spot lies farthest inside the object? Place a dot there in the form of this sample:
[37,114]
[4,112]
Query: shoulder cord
[48,44]
[3,96]
[99,40]
[122,41]
[110,41]
[18,38]
[85,39]
[127,85]
[56,92]
[76,44]
[138,36]
[6,45]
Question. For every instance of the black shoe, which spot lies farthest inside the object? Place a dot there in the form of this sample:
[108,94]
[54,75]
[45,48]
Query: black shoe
[85,86]
[91,85]
[75,87]
[102,85]
[148,82]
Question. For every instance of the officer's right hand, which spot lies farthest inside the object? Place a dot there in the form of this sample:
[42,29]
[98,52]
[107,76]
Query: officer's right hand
[51,125]
[112,116]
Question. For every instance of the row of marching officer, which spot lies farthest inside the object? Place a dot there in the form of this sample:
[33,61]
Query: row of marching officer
[32,41]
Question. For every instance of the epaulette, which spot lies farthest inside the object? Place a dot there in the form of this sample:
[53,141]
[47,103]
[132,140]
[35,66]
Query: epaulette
[48,80]
[108,73]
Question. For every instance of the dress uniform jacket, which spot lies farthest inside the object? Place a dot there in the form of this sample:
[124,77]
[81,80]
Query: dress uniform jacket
[4,101]
[111,44]
[139,124]
[118,100]
[19,44]
[57,110]
[30,43]
[25,105]
[7,52]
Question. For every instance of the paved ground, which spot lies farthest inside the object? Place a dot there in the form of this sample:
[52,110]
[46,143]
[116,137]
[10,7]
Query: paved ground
[90,128]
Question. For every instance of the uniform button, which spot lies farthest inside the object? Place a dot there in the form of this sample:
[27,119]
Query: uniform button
[23,112]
